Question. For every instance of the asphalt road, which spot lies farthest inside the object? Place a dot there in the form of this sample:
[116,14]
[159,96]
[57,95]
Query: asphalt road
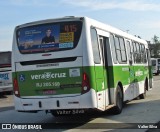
[137,111]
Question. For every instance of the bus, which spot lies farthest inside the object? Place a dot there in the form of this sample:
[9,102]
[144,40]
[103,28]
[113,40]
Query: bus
[5,72]
[155,65]
[71,65]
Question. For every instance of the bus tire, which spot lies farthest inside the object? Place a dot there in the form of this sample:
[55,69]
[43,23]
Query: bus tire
[119,101]
[143,95]
[156,74]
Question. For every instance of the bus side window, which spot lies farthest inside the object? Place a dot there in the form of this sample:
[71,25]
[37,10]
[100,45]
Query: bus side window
[120,49]
[141,52]
[129,50]
[143,48]
[134,51]
[123,49]
[138,60]
[145,56]
[95,46]
[112,43]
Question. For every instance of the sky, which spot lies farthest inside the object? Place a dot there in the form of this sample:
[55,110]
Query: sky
[138,17]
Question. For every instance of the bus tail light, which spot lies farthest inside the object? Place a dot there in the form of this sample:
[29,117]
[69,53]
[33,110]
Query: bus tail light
[85,83]
[16,87]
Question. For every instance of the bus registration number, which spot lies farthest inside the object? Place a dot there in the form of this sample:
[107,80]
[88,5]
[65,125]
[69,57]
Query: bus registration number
[48,84]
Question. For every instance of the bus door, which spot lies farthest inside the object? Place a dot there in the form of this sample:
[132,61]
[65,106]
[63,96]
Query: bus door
[103,82]
[104,41]
[131,70]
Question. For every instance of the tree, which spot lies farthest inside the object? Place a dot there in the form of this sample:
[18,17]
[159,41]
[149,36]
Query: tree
[155,39]
[155,47]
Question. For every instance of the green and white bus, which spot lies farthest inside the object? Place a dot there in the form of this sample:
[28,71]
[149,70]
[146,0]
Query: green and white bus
[74,64]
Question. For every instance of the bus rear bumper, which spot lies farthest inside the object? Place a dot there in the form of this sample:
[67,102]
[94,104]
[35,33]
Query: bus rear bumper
[6,88]
[84,101]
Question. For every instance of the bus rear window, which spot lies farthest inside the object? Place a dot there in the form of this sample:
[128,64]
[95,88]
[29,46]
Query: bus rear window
[5,59]
[49,37]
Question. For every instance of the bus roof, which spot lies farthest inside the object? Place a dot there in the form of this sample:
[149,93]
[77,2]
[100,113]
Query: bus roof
[69,18]
[116,31]
[93,22]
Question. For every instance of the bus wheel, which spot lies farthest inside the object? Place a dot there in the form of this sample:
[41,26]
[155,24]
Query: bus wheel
[119,101]
[143,95]
[156,74]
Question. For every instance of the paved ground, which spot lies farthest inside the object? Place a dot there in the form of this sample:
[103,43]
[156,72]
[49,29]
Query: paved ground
[136,111]
[6,102]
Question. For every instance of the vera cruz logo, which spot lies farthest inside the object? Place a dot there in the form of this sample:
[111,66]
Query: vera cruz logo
[48,75]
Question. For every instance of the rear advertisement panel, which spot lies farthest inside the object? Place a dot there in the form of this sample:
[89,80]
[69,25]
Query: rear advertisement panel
[49,37]
[50,82]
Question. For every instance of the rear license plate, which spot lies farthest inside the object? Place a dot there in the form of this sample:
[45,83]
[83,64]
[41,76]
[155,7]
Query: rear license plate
[49,92]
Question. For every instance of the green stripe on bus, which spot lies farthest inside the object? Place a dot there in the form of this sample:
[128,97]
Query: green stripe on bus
[60,81]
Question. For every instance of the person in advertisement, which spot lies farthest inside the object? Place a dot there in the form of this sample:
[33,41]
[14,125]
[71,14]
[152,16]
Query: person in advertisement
[48,39]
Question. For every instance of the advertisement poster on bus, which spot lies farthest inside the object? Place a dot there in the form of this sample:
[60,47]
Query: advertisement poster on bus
[44,38]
